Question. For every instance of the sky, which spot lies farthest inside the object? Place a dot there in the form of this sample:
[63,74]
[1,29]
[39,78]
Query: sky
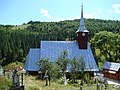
[17,12]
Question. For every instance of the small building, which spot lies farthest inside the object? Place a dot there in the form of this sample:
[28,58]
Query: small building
[111,70]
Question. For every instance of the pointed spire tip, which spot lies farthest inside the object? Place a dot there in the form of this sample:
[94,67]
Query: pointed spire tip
[82,5]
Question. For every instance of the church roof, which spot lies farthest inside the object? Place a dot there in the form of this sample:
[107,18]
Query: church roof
[32,58]
[53,49]
[111,66]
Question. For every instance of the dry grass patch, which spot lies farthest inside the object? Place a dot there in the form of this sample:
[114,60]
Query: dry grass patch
[32,84]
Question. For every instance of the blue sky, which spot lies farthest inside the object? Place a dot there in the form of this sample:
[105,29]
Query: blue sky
[16,12]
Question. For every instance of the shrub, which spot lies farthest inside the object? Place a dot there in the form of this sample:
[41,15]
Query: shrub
[86,78]
[12,65]
[4,83]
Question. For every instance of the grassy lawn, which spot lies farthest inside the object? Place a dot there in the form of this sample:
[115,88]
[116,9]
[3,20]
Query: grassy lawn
[5,83]
[32,84]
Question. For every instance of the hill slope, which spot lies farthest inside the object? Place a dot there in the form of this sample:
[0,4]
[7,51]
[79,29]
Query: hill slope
[15,41]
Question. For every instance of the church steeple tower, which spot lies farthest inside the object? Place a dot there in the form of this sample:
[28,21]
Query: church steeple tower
[82,33]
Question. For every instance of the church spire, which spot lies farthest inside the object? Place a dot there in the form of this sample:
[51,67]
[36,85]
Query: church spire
[82,27]
[82,33]
[82,11]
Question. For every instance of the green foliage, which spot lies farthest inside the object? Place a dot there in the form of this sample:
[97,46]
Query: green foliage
[54,69]
[13,65]
[14,45]
[44,65]
[108,45]
[4,83]
[63,61]
[55,72]
[24,26]
[76,66]
[15,41]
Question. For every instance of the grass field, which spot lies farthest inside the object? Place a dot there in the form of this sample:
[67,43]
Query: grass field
[32,84]
[20,26]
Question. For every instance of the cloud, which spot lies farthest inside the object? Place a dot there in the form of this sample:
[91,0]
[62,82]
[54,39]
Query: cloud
[93,14]
[90,15]
[98,11]
[45,13]
[63,19]
[86,15]
[109,12]
[116,8]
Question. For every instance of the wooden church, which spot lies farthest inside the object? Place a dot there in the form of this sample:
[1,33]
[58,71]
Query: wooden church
[53,49]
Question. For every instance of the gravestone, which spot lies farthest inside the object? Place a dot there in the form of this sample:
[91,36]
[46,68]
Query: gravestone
[16,81]
[98,86]
[65,80]
[1,71]
[10,74]
[105,83]
[46,78]
[81,87]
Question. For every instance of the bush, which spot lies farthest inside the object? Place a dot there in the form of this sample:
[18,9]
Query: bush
[4,83]
[86,78]
[12,65]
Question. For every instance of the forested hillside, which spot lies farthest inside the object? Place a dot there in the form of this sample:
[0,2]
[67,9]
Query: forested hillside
[15,41]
